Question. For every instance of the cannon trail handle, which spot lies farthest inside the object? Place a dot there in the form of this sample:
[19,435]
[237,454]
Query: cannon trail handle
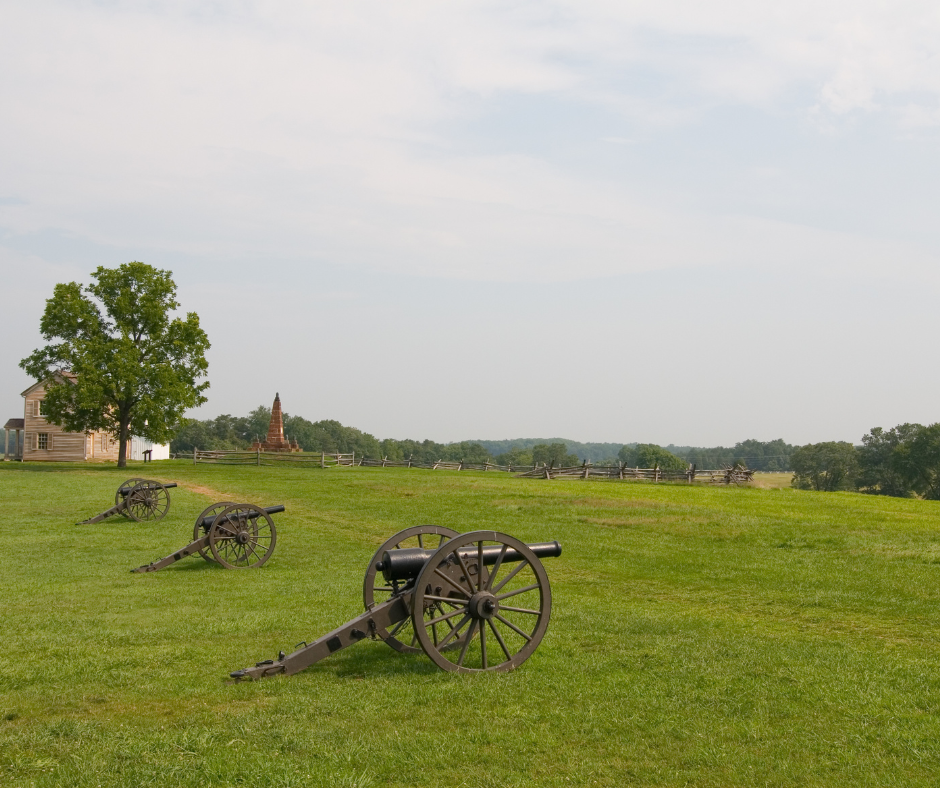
[104,515]
[192,548]
[380,617]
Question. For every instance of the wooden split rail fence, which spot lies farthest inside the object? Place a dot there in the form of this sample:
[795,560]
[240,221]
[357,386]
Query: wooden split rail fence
[728,475]
[322,459]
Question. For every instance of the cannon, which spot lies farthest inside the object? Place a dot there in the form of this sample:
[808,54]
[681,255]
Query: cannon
[234,535]
[139,500]
[473,602]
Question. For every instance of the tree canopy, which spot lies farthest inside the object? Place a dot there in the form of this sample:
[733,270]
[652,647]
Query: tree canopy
[917,461]
[554,454]
[649,455]
[827,467]
[134,367]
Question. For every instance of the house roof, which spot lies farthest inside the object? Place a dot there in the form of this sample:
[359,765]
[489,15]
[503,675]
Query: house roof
[15,424]
[57,374]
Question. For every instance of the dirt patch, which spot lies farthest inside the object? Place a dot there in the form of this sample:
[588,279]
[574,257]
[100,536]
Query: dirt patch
[197,488]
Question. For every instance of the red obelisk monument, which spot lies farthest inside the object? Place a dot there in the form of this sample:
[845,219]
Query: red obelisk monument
[276,441]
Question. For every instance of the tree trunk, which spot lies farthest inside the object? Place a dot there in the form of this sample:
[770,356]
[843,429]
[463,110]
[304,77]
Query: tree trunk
[123,436]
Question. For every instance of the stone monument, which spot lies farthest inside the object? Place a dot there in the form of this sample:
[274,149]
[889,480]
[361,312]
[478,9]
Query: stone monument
[276,440]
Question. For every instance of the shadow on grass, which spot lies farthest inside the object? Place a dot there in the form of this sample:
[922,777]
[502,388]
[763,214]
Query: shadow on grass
[71,467]
[373,658]
[190,563]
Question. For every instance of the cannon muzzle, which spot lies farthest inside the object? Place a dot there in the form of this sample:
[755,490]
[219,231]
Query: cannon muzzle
[407,564]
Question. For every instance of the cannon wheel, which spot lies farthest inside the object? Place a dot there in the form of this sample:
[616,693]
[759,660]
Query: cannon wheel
[148,500]
[505,609]
[376,590]
[242,537]
[129,485]
[199,530]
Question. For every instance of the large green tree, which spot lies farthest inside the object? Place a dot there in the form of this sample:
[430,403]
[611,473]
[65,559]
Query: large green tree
[826,467]
[884,460]
[649,455]
[134,368]
[554,454]
[918,461]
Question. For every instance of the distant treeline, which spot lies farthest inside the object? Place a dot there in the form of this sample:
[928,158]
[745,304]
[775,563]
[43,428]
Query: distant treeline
[238,432]
[903,461]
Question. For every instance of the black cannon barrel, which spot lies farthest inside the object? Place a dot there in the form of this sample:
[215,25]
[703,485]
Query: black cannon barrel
[207,523]
[407,564]
[125,491]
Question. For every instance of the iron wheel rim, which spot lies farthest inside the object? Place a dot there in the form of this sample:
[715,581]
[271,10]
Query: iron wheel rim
[257,528]
[408,643]
[520,592]
[199,530]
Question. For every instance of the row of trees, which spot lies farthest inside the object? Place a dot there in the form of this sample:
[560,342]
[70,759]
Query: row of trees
[233,432]
[903,461]
[756,455]
[238,432]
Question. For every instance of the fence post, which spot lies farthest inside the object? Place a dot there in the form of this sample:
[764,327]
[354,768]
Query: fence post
[656,472]
[195,452]
[258,459]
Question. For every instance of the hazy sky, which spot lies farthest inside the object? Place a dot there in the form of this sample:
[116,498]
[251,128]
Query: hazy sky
[688,222]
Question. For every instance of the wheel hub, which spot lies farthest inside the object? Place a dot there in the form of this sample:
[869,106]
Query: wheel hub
[483,605]
[242,537]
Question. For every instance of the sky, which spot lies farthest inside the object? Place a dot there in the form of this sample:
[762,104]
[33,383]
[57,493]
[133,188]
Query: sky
[669,222]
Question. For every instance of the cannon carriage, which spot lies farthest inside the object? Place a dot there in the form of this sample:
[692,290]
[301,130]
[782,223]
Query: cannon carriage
[472,602]
[233,535]
[139,500]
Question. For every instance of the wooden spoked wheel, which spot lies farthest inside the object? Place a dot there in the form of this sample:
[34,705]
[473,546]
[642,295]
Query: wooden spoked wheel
[124,490]
[242,536]
[200,529]
[148,500]
[375,589]
[498,608]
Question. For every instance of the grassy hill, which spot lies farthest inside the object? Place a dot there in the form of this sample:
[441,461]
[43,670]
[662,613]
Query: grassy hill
[700,636]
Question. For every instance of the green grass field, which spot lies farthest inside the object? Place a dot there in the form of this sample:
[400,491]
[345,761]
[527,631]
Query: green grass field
[700,636]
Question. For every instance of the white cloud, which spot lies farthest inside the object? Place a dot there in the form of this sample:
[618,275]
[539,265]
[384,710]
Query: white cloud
[319,130]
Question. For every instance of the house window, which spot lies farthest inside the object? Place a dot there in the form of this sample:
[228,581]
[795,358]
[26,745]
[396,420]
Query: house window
[43,440]
[39,408]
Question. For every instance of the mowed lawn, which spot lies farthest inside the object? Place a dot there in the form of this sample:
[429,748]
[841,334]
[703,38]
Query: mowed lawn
[700,636]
